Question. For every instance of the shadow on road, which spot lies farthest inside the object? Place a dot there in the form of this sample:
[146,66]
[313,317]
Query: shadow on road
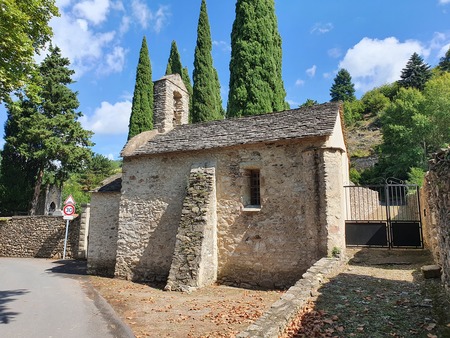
[68,267]
[7,297]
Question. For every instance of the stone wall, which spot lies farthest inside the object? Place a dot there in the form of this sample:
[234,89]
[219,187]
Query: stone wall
[39,236]
[435,203]
[194,262]
[103,228]
[270,247]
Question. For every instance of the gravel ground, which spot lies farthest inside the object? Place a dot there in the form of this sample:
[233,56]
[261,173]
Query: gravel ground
[215,311]
[380,293]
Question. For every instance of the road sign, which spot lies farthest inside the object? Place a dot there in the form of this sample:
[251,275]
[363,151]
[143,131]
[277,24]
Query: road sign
[68,210]
[69,200]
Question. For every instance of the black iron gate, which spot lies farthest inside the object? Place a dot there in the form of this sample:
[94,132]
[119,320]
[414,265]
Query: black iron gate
[383,216]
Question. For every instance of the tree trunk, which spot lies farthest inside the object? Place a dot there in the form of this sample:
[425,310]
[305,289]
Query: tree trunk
[37,192]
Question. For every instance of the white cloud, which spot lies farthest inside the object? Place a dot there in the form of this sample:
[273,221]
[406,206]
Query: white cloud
[444,50]
[161,17]
[145,16]
[124,25]
[334,53]
[311,72]
[114,61]
[444,2]
[373,62]
[94,11]
[62,3]
[109,119]
[84,47]
[299,82]
[322,28]
[224,46]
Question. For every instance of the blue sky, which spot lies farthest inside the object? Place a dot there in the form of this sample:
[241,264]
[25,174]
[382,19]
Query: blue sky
[371,39]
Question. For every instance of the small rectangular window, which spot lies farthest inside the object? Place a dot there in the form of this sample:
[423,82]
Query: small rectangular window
[255,187]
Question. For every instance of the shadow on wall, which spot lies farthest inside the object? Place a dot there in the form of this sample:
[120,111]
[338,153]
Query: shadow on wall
[53,245]
[5,298]
[155,263]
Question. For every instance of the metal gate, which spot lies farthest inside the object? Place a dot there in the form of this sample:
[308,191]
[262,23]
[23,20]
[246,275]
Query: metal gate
[383,216]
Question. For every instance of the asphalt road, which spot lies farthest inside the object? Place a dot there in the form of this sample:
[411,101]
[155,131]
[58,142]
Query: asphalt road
[42,298]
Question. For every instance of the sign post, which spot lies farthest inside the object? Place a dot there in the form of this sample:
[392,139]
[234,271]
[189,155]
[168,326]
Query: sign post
[69,211]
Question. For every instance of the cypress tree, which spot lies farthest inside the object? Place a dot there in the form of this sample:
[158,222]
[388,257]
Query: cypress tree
[206,100]
[342,88]
[415,74]
[141,118]
[444,63]
[174,66]
[256,84]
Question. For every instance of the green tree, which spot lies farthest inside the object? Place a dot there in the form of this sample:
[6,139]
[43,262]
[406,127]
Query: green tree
[48,132]
[98,168]
[437,110]
[444,63]
[309,103]
[174,66]
[415,74]
[404,128]
[256,84]
[24,31]
[342,88]
[206,100]
[374,102]
[17,176]
[353,111]
[141,118]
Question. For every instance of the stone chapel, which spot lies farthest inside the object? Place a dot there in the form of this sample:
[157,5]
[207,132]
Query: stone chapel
[250,202]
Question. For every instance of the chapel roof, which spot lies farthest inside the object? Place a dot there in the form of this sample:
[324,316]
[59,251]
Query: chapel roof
[316,121]
[111,184]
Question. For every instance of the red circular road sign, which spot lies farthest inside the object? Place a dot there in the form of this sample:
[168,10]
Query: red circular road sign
[69,209]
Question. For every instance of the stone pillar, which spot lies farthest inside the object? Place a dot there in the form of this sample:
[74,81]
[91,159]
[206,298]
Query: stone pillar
[195,260]
[84,230]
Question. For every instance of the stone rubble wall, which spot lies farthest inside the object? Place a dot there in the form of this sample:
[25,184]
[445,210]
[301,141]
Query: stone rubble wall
[270,247]
[38,236]
[194,262]
[274,322]
[103,225]
[435,202]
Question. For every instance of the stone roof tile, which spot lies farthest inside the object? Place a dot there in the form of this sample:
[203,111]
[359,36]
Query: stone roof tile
[315,121]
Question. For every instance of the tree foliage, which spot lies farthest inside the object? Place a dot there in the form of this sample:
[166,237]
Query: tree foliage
[141,118]
[374,102]
[444,63]
[404,130]
[206,99]
[342,88]
[24,31]
[437,110]
[309,103]
[256,84]
[47,133]
[415,74]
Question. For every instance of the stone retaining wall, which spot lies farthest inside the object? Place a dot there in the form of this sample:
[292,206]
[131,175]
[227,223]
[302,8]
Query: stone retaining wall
[273,323]
[436,212]
[39,236]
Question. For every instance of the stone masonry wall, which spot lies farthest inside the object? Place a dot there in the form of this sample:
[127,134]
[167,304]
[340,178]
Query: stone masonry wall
[103,228]
[436,216]
[194,262]
[39,236]
[270,247]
